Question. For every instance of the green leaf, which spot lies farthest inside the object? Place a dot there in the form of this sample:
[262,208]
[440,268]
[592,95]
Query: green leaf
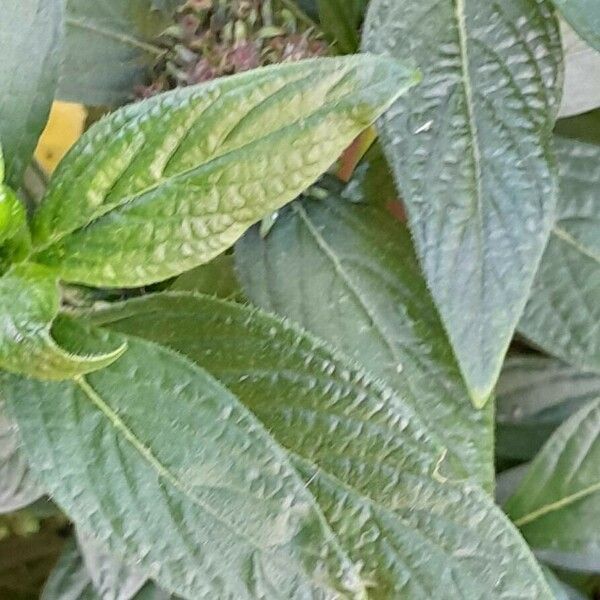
[109,49]
[534,396]
[387,487]
[560,589]
[18,487]
[164,466]
[585,128]
[348,273]
[584,17]
[30,31]
[216,278]
[12,214]
[70,579]
[581,90]
[558,500]
[471,155]
[29,298]
[169,183]
[563,311]
[341,20]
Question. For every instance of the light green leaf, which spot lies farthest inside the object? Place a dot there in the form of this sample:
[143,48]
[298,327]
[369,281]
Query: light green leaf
[385,484]
[584,17]
[169,183]
[534,396]
[563,312]
[109,49]
[341,20]
[166,468]
[18,487]
[471,155]
[30,31]
[558,501]
[70,579]
[348,273]
[12,214]
[29,297]
[582,87]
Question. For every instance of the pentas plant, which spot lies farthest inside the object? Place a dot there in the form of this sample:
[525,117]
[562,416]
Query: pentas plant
[226,373]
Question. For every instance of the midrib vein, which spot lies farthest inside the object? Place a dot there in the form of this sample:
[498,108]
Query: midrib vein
[115,35]
[147,454]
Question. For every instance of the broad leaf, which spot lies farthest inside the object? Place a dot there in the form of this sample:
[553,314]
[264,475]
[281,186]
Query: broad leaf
[582,87]
[563,313]
[558,501]
[534,396]
[169,183]
[109,49]
[584,17]
[389,490]
[112,579]
[471,155]
[70,579]
[341,20]
[348,273]
[30,31]
[216,278]
[12,214]
[561,590]
[18,487]
[29,301]
[165,467]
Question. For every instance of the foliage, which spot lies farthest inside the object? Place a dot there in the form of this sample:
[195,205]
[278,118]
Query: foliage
[248,350]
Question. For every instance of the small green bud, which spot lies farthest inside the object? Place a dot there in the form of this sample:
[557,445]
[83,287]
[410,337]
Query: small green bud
[12,214]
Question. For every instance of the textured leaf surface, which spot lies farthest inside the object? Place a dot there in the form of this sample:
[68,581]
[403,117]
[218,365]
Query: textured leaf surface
[70,579]
[29,301]
[109,48]
[18,487]
[348,273]
[179,478]
[385,484]
[470,153]
[534,396]
[563,312]
[169,183]
[584,17]
[558,500]
[30,31]
[582,87]
[216,278]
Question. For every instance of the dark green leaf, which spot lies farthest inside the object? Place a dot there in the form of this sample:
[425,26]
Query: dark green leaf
[563,312]
[30,31]
[216,278]
[162,464]
[169,183]
[29,301]
[585,128]
[70,579]
[18,487]
[558,502]
[348,273]
[341,20]
[387,487]
[534,396]
[584,17]
[109,48]
[471,154]
[561,590]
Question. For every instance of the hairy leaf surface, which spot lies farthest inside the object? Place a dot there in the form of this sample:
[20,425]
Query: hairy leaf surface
[171,182]
[386,485]
[29,301]
[563,312]
[558,500]
[162,465]
[348,273]
[535,394]
[471,154]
